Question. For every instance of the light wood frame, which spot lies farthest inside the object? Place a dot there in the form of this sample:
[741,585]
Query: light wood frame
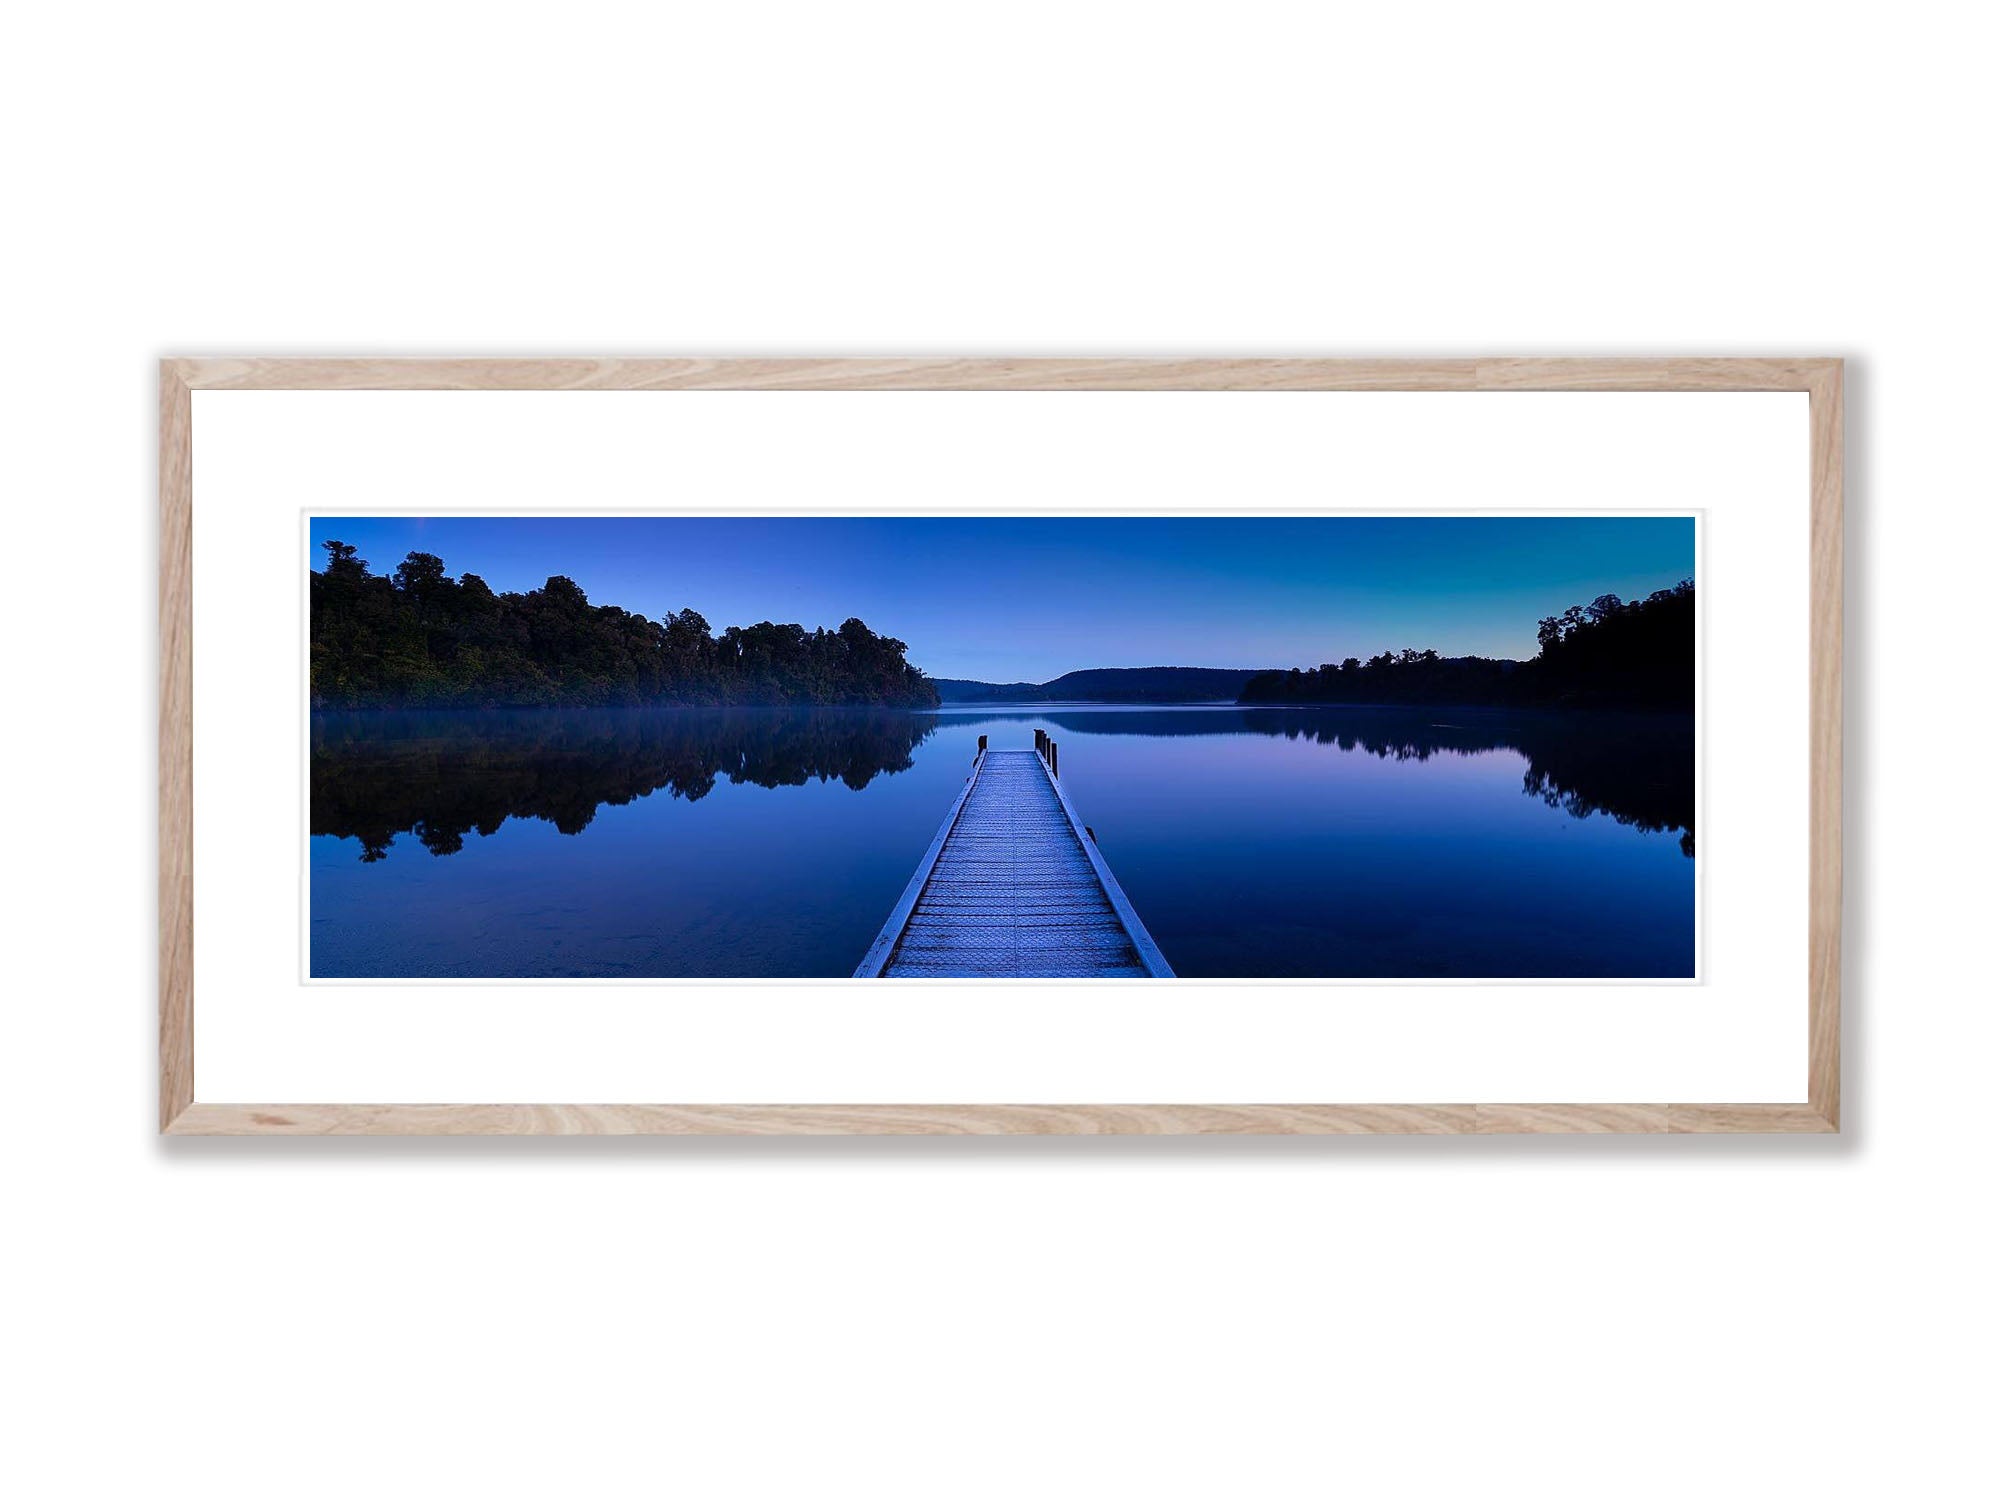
[182,1114]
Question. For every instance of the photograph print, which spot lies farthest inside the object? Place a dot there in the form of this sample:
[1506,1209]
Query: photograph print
[1334,747]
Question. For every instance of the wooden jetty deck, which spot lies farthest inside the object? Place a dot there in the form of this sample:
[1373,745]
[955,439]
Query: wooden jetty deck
[1013,886]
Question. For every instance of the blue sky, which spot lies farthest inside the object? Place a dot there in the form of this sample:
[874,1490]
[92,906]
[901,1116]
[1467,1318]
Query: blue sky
[1007,599]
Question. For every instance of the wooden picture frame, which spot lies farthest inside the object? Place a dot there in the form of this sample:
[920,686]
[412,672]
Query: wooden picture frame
[183,1113]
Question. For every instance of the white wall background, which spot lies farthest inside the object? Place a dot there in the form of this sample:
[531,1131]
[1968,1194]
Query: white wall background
[1541,1317]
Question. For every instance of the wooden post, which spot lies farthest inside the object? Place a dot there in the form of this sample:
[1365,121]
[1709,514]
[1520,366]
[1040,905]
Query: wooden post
[982,742]
[1041,743]
[1054,768]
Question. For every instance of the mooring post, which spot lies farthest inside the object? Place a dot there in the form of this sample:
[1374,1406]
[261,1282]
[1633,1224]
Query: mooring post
[982,742]
[1041,743]
[1054,769]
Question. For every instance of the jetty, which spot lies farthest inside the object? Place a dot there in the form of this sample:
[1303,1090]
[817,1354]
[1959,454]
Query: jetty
[1013,886]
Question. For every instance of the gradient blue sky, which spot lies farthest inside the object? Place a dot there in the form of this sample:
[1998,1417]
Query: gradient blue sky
[1024,599]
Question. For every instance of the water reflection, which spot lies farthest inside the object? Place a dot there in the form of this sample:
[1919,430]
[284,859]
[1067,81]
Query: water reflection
[1637,769]
[442,775]
[1256,842]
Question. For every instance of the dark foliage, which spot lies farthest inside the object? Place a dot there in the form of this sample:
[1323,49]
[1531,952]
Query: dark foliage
[1606,654]
[444,775]
[423,639]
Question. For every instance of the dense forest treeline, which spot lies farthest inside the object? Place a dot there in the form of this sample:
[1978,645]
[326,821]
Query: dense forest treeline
[421,638]
[1609,653]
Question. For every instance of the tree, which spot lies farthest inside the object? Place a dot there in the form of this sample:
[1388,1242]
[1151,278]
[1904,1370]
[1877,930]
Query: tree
[564,594]
[416,638]
[421,574]
[342,564]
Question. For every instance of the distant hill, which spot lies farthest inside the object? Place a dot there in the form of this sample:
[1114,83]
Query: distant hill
[963,690]
[1106,685]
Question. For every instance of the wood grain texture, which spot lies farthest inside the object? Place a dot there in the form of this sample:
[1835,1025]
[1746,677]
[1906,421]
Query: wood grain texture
[1828,527]
[826,1119]
[180,1115]
[1550,374]
[830,374]
[1583,1119]
[1666,374]
[176,851]
[1747,1119]
[998,1119]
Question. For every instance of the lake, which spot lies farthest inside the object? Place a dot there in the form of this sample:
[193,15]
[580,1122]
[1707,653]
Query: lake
[1254,842]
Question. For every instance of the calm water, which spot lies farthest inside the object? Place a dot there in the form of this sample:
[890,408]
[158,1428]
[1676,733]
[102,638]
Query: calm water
[1254,842]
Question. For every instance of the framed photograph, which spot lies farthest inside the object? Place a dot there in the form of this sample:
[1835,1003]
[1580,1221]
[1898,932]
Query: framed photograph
[988,746]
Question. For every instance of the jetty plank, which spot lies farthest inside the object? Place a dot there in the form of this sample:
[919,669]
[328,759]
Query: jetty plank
[1013,887]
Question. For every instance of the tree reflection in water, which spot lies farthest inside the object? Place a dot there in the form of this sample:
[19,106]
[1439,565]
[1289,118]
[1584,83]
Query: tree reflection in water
[444,775]
[1637,769]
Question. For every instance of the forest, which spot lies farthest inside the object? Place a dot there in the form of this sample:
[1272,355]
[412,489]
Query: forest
[422,639]
[1610,653]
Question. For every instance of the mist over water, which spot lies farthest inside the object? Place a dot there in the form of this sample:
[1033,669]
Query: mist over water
[1254,842]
